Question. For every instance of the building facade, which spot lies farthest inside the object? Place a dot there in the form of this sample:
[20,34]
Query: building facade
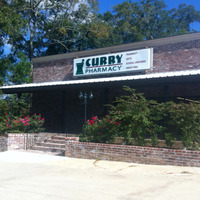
[173,71]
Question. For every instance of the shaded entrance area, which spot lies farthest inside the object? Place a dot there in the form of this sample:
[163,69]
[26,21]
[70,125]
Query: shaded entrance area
[59,102]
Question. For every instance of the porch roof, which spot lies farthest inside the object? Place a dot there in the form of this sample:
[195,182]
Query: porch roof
[143,79]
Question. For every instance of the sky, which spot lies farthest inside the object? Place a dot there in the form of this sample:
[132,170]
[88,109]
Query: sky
[107,5]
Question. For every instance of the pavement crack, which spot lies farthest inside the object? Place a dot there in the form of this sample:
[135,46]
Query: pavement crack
[95,163]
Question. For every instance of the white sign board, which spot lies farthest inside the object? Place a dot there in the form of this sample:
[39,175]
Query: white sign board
[114,63]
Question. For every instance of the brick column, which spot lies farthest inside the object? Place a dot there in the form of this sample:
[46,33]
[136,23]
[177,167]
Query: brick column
[3,143]
[70,146]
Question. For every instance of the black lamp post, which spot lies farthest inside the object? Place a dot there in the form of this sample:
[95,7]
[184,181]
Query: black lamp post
[10,100]
[11,110]
[84,97]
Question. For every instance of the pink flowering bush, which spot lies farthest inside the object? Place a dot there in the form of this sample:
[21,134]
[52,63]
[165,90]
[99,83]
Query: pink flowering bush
[27,124]
[101,130]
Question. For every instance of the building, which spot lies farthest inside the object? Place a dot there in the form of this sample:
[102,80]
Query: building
[162,69]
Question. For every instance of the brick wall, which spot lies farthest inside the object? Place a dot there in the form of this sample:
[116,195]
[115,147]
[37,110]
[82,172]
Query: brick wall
[177,57]
[26,141]
[16,141]
[20,140]
[58,70]
[135,154]
[3,143]
[170,57]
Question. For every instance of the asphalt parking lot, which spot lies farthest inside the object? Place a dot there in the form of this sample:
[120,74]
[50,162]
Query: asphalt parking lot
[33,176]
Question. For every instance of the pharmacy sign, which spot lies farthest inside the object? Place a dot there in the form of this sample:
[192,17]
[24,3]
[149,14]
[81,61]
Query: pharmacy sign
[114,63]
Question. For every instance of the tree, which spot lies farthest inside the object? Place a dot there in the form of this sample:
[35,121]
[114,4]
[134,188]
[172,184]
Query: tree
[78,30]
[152,18]
[107,20]
[149,19]
[183,17]
[20,70]
[126,24]
[43,27]
[49,22]
[10,25]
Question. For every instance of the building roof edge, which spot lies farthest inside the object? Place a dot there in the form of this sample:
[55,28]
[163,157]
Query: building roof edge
[121,48]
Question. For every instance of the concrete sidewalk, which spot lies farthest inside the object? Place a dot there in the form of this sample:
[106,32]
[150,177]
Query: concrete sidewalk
[32,176]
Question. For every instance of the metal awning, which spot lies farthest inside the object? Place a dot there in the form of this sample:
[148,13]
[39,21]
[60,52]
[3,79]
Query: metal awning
[166,77]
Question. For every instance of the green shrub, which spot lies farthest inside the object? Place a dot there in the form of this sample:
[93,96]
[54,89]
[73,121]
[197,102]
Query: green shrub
[169,139]
[4,108]
[180,121]
[186,118]
[131,117]
[168,130]
[137,121]
[134,117]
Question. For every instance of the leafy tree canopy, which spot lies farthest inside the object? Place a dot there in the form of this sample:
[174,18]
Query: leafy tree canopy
[150,19]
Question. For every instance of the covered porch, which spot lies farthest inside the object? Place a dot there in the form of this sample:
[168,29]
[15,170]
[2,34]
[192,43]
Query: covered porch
[64,112]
